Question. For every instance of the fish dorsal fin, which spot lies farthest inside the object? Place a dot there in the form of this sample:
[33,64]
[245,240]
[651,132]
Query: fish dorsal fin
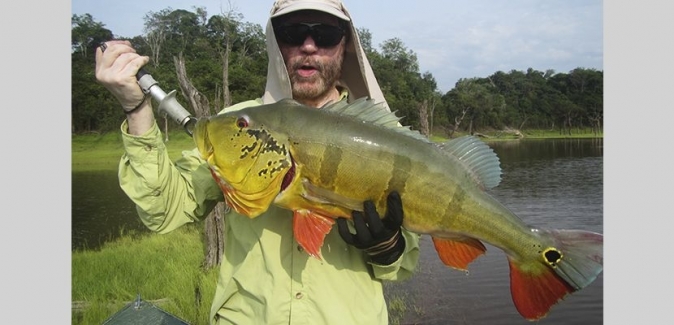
[480,159]
[367,110]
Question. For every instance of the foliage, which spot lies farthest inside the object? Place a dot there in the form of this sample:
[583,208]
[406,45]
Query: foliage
[163,268]
[103,151]
[531,99]
[516,100]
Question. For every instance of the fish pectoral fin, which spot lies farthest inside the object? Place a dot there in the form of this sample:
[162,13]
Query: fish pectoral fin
[310,229]
[458,252]
[320,195]
[535,289]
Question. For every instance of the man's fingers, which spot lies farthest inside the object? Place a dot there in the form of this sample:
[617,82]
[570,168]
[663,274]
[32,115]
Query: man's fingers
[394,211]
[374,224]
[362,232]
[344,232]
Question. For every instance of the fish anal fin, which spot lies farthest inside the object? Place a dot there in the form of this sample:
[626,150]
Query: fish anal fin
[535,291]
[458,252]
[310,229]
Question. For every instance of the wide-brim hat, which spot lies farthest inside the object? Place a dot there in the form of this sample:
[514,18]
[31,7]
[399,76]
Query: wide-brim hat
[333,7]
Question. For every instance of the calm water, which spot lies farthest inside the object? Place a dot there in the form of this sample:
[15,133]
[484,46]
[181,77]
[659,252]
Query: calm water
[100,210]
[548,183]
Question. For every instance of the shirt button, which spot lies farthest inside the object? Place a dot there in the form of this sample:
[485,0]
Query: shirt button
[148,148]
[299,295]
[300,249]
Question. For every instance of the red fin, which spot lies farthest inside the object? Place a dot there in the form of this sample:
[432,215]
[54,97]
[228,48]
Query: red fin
[536,290]
[458,253]
[310,230]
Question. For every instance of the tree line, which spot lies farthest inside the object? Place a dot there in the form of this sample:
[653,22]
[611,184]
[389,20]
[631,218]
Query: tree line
[217,60]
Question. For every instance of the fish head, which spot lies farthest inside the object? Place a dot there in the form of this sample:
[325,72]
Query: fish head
[247,159]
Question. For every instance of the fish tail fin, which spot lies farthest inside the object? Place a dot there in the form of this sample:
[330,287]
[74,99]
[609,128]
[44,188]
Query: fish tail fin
[535,292]
[458,252]
[572,262]
[310,230]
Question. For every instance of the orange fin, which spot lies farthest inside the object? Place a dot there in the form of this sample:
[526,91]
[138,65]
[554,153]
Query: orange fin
[458,252]
[536,290]
[310,229]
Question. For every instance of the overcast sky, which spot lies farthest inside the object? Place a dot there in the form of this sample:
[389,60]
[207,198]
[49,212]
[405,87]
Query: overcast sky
[452,39]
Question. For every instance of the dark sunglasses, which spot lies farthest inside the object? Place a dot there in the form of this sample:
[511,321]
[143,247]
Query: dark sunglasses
[322,34]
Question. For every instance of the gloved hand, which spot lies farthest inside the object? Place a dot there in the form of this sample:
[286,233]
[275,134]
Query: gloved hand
[116,70]
[379,238]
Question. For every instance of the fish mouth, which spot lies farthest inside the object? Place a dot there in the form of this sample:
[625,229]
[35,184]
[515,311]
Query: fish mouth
[289,176]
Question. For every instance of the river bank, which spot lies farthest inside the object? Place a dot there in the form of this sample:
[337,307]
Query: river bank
[102,151]
[166,268]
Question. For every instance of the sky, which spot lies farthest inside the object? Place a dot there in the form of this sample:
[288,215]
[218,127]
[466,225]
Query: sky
[452,39]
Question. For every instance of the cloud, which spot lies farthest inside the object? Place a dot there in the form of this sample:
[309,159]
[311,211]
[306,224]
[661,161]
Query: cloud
[453,39]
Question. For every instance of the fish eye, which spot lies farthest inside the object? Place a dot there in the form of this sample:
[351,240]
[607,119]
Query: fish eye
[242,122]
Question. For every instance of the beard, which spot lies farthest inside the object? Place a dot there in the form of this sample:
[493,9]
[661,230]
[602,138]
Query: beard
[318,84]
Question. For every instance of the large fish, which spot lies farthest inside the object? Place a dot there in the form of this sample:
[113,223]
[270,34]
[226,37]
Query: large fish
[323,163]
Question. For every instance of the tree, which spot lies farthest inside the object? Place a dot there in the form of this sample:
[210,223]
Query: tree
[211,44]
[93,109]
[222,32]
[156,28]
[473,99]
[87,34]
[404,88]
[425,92]
[365,37]
[224,58]
[403,59]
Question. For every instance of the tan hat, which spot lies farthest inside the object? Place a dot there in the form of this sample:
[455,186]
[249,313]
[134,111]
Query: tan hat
[333,7]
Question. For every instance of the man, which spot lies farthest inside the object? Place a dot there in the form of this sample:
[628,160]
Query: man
[315,57]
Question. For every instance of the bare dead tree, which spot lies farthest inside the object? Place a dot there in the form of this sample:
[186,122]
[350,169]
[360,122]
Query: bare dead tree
[217,101]
[214,222]
[423,118]
[433,105]
[155,28]
[458,120]
[231,17]
[226,95]
[197,101]
[154,40]
[596,123]
[522,124]
[214,231]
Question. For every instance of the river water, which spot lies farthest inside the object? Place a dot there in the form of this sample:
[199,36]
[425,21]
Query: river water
[555,183]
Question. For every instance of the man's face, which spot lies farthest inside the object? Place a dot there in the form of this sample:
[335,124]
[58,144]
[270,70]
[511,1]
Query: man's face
[313,69]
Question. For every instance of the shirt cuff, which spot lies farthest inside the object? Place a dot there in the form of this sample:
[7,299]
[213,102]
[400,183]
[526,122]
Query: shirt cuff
[403,267]
[137,147]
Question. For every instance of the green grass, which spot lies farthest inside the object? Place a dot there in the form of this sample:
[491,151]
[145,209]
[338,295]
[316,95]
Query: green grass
[161,268]
[498,135]
[103,151]
[555,134]
[166,269]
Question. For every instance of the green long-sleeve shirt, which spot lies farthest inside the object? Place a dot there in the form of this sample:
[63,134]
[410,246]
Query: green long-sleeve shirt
[265,277]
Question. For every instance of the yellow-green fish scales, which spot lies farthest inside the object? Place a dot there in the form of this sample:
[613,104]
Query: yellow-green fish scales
[330,160]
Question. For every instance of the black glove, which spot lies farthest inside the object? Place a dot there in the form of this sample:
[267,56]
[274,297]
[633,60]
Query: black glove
[379,238]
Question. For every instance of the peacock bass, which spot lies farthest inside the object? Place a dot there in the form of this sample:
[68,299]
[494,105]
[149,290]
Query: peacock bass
[323,163]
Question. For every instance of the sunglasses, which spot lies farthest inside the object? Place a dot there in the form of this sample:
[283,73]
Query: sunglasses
[322,34]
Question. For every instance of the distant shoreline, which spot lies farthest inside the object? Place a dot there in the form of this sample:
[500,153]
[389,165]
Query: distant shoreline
[102,151]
